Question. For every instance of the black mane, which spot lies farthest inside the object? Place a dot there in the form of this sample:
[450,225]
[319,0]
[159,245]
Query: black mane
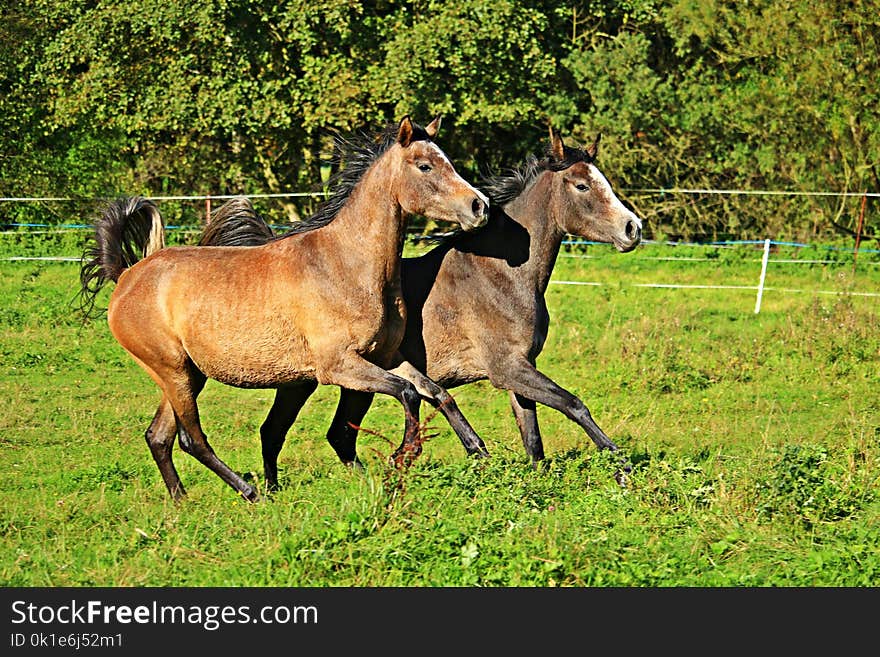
[505,187]
[357,154]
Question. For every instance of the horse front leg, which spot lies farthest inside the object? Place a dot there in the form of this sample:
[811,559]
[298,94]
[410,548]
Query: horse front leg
[526,415]
[522,378]
[440,399]
[288,401]
[356,373]
[342,434]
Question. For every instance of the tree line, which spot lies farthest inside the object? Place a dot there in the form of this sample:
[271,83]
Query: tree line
[218,97]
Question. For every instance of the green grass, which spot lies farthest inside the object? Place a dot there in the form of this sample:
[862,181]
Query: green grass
[755,441]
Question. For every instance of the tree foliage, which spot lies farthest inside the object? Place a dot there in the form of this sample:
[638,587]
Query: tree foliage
[243,96]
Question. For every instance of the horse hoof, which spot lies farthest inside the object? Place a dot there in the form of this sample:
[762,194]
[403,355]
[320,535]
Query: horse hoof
[250,494]
[354,466]
[621,475]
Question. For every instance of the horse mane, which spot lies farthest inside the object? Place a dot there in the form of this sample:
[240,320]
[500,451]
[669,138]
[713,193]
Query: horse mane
[236,223]
[505,187]
[357,154]
[244,227]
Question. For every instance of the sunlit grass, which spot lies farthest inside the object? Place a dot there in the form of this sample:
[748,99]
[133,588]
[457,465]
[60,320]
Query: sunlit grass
[754,439]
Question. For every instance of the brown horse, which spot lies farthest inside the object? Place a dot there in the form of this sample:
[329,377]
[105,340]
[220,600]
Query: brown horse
[475,303]
[321,305]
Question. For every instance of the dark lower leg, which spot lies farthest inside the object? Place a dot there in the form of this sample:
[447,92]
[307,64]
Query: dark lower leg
[440,399]
[342,434]
[160,438]
[197,445]
[288,402]
[411,446]
[192,439]
[527,420]
[528,382]
[469,438]
[356,373]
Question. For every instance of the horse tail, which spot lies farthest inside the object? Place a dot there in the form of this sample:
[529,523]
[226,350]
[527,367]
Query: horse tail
[236,223]
[128,230]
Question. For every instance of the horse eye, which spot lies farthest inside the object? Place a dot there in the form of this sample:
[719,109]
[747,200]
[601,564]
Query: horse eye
[425,167]
[581,187]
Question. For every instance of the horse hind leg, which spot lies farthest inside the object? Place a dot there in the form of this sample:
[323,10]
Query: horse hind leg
[288,402]
[160,438]
[182,393]
[195,443]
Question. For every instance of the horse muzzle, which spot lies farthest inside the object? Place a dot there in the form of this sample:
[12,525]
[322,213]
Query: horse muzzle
[479,213]
[632,236]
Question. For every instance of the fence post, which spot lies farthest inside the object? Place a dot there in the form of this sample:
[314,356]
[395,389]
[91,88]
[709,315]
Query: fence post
[763,275]
[859,231]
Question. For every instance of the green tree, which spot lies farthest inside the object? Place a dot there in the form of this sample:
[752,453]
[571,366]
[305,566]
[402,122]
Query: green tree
[485,66]
[243,96]
[35,159]
[780,95]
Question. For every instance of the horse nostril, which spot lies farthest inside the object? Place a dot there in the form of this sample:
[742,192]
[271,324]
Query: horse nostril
[477,207]
[632,230]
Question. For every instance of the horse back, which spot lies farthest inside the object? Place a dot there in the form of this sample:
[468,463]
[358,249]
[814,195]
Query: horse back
[245,316]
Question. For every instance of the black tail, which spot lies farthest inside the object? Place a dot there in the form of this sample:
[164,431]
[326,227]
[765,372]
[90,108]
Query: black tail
[236,223]
[129,230]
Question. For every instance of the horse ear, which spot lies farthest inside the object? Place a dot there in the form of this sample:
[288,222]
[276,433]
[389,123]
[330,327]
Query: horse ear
[557,148]
[405,131]
[593,150]
[433,127]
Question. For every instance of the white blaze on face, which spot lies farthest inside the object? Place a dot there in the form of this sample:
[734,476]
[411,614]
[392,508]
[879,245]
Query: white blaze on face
[603,187]
[443,157]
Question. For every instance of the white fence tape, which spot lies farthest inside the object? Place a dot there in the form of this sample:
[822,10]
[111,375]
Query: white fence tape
[759,289]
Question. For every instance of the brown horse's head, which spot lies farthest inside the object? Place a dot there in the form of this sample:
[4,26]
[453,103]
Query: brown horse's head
[585,204]
[428,183]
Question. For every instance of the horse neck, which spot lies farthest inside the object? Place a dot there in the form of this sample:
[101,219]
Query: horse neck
[370,229]
[531,210]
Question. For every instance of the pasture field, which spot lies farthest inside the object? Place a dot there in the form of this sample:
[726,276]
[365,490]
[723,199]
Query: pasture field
[754,438]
